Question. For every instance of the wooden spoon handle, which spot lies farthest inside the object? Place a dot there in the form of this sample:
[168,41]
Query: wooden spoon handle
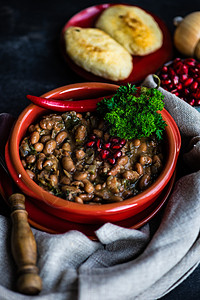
[24,248]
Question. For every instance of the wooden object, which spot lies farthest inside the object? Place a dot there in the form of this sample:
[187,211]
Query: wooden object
[187,34]
[24,248]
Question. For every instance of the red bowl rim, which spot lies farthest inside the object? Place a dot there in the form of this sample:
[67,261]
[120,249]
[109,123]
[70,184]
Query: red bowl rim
[29,187]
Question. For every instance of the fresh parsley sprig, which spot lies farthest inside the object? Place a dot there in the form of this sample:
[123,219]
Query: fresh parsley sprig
[134,112]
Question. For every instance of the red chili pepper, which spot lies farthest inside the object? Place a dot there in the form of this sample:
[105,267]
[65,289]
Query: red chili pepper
[66,105]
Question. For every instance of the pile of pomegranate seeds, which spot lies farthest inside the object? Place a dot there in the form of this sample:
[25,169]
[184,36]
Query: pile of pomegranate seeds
[182,78]
[108,150]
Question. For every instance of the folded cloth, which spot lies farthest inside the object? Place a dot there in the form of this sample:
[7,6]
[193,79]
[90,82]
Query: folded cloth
[125,263]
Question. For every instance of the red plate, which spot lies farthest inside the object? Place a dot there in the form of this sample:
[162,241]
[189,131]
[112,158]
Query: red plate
[143,65]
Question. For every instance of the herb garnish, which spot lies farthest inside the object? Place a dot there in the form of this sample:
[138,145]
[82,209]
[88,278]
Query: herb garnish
[133,112]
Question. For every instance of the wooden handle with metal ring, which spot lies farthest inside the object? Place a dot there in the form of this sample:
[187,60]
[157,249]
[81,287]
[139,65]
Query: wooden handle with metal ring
[24,248]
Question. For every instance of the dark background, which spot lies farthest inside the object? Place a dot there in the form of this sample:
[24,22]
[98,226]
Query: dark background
[31,61]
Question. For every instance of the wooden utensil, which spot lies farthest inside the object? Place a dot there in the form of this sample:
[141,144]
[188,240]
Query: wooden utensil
[24,249]
[23,244]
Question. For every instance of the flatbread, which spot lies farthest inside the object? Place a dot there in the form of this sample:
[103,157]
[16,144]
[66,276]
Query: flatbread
[96,52]
[132,27]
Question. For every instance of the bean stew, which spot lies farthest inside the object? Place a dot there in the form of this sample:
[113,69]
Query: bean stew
[73,156]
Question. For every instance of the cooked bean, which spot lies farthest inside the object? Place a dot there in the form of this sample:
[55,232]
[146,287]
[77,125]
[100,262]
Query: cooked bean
[30,159]
[148,170]
[53,180]
[49,124]
[49,146]
[130,175]
[79,116]
[106,136]
[144,181]
[115,170]
[61,136]
[66,153]
[80,175]
[70,158]
[96,199]
[86,197]
[43,124]
[24,164]
[35,136]
[139,168]
[38,147]
[123,160]
[145,160]
[30,174]
[88,186]
[66,147]
[93,177]
[65,180]
[143,147]
[48,164]
[152,143]
[68,164]
[136,143]
[45,138]
[98,132]
[31,128]
[80,133]
[98,187]
[116,198]
[80,154]
[156,159]
[78,200]
[112,184]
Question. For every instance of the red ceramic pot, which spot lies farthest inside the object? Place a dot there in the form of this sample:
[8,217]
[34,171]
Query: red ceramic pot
[85,213]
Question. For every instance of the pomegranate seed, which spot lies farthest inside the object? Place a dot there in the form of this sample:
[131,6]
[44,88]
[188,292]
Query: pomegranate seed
[166,82]
[111,161]
[116,147]
[90,144]
[194,71]
[190,61]
[175,80]
[107,145]
[185,69]
[198,65]
[123,142]
[179,67]
[114,140]
[186,92]
[192,102]
[194,86]
[164,69]
[117,154]
[99,143]
[171,73]
[197,94]
[93,137]
[183,77]
[164,76]
[104,154]
[177,59]
[188,81]
[179,86]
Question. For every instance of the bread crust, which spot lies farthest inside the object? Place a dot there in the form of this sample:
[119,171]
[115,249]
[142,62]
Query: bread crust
[96,52]
[132,27]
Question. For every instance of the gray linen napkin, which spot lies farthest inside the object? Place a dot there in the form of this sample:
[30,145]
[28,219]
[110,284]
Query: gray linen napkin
[125,263]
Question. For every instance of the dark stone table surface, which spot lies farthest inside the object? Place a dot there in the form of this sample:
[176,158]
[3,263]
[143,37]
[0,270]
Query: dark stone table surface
[31,61]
